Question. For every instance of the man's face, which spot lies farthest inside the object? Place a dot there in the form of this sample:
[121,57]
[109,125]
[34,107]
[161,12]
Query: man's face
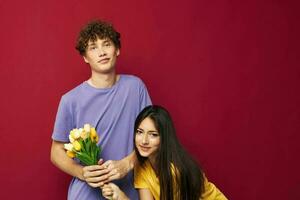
[101,55]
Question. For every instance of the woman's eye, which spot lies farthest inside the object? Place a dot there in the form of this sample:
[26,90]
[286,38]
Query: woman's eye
[139,132]
[154,134]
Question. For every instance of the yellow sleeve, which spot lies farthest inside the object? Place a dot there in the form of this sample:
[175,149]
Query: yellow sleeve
[211,192]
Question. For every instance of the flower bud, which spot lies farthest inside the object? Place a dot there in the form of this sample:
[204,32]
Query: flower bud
[75,134]
[87,128]
[71,138]
[70,154]
[68,146]
[94,135]
[76,145]
[84,135]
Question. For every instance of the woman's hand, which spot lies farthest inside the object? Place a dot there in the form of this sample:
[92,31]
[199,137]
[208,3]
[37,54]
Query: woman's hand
[117,169]
[120,168]
[112,192]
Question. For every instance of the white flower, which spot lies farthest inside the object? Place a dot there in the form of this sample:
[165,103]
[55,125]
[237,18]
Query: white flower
[75,133]
[71,138]
[68,146]
[84,134]
[87,128]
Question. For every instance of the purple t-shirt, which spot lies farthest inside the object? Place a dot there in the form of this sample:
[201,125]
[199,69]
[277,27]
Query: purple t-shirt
[112,111]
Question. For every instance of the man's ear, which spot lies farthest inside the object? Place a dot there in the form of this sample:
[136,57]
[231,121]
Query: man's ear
[85,60]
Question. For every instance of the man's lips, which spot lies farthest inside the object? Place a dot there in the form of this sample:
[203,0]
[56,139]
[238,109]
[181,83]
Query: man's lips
[104,60]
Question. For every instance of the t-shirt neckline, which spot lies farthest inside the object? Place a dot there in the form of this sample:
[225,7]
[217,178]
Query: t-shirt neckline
[86,84]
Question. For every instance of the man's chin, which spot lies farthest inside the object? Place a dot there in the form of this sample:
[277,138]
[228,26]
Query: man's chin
[105,71]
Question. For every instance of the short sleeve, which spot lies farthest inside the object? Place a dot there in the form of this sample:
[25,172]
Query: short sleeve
[144,96]
[63,122]
[211,192]
[139,180]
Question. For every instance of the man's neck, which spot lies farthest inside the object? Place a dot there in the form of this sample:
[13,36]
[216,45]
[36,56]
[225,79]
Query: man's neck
[103,80]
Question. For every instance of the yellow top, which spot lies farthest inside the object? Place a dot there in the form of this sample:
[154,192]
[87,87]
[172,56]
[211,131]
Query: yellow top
[145,177]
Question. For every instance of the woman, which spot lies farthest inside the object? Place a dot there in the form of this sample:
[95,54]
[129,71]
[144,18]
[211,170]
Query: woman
[165,170]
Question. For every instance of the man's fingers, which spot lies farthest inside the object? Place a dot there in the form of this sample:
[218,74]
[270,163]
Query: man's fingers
[94,185]
[92,168]
[97,179]
[93,173]
[100,162]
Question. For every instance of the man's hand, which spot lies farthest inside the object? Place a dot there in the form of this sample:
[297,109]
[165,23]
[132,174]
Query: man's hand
[96,175]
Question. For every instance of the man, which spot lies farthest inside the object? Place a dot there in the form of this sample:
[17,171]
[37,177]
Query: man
[109,102]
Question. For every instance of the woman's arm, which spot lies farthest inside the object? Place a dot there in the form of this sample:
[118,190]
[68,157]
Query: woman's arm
[211,192]
[120,168]
[145,194]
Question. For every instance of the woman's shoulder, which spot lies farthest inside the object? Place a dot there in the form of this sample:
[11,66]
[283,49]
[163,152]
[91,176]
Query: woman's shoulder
[211,191]
[145,167]
[144,176]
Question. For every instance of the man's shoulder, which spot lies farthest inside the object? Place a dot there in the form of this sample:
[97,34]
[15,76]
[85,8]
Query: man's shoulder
[73,93]
[132,79]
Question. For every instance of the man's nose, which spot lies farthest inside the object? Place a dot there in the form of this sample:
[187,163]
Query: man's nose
[101,52]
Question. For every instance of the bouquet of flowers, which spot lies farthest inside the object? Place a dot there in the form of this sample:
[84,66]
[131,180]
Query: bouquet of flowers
[83,145]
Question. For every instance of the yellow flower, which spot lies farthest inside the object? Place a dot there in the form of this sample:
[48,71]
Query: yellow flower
[94,135]
[76,145]
[71,154]
[68,146]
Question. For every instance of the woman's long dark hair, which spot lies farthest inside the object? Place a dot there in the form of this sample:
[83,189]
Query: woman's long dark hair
[188,176]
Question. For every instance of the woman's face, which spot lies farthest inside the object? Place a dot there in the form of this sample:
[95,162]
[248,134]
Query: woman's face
[147,139]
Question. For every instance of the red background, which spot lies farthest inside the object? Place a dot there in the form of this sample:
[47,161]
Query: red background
[228,71]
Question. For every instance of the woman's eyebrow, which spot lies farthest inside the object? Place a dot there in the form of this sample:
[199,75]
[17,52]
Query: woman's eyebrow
[152,131]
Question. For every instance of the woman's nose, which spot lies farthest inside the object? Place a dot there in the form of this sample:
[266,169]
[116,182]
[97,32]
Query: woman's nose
[145,139]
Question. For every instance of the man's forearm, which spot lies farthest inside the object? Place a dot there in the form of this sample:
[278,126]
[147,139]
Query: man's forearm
[63,162]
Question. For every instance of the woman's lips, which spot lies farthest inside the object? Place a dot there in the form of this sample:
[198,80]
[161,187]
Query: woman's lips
[143,148]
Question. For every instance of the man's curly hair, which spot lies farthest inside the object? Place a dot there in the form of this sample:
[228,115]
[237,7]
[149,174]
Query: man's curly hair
[94,30]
